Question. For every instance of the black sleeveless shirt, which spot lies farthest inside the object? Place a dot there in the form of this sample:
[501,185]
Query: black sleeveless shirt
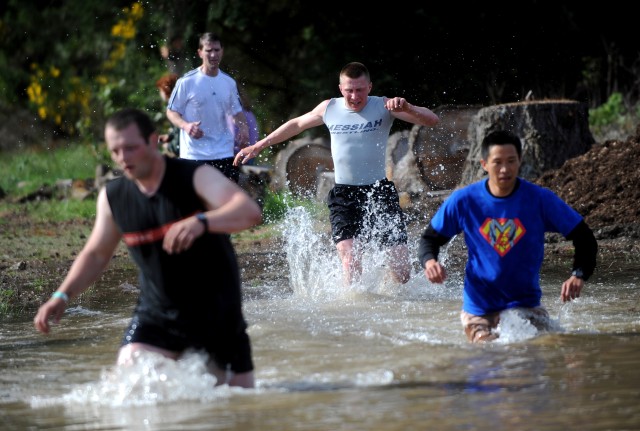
[200,286]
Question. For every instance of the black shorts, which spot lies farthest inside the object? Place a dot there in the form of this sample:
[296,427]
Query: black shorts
[225,166]
[371,212]
[228,351]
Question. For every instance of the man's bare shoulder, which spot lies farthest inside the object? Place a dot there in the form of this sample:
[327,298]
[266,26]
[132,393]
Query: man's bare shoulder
[320,109]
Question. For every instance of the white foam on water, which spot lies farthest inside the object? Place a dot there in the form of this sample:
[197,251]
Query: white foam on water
[314,265]
[151,379]
[515,327]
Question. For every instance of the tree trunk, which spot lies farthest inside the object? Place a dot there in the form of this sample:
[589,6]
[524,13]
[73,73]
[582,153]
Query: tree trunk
[298,166]
[429,159]
[551,133]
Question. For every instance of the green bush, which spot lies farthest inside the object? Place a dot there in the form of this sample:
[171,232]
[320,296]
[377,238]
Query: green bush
[277,203]
[611,112]
[614,114]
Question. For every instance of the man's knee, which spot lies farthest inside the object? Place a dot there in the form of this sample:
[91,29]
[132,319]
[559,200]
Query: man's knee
[479,333]
[479,329]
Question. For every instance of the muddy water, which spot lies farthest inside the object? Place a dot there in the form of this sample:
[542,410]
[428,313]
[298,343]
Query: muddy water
[373,357]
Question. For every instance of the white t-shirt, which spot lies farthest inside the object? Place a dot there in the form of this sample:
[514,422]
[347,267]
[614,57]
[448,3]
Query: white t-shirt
[209,99]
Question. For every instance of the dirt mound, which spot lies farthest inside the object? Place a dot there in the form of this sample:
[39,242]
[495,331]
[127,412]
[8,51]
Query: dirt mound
[603,185]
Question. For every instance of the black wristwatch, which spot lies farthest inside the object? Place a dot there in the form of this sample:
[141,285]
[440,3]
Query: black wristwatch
[203,219]
[578,273]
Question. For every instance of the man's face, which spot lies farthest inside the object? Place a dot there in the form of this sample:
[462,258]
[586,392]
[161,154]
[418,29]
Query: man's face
[130,151]
[355,91]
[211,54]
[502,165]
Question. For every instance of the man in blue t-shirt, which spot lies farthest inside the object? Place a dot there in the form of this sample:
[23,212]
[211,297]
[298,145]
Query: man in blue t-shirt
[504,219]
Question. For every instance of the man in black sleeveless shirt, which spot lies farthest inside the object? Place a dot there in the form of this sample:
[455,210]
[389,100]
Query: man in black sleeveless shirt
[175,216]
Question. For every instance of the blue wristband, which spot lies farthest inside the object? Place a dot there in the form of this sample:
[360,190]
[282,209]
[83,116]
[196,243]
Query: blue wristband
[60,295]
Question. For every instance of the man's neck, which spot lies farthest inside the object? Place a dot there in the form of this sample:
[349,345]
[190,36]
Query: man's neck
[151,183]
[502,193]
[211,71]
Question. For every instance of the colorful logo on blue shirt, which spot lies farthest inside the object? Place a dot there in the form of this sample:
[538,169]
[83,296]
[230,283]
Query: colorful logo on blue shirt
[502,233]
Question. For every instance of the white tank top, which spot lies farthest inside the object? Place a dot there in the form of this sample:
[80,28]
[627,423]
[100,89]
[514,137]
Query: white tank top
[358,140]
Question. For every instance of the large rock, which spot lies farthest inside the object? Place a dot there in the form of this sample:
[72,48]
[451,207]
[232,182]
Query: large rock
[551,131]
[298,166]
[427,159]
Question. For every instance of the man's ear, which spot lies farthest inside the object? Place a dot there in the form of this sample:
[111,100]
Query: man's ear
[483,163]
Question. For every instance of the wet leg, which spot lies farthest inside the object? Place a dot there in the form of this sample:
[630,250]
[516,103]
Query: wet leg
[398,260]
[351,261]
[127,353]
[479,329]
[228,377]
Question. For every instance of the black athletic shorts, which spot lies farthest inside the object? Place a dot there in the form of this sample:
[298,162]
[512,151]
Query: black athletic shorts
[370,212]
[228,351]
[225,166]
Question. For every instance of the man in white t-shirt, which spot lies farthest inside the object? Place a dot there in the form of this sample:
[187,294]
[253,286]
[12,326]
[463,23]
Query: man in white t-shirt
[199,105]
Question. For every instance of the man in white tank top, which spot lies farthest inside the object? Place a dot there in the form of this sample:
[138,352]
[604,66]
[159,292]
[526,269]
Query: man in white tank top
[359,125]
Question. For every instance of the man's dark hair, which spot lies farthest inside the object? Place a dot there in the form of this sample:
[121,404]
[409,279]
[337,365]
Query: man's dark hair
[208,37]
[500,137]
[123,118]
[355,70]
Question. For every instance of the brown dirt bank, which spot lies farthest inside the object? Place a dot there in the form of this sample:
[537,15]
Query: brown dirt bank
[602,184]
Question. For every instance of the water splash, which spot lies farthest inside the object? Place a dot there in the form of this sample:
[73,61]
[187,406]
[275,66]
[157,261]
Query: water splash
[514,326]
[314,265]
[151,379]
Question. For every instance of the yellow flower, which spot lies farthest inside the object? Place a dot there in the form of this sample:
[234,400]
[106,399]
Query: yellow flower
[34,91]
[137,11]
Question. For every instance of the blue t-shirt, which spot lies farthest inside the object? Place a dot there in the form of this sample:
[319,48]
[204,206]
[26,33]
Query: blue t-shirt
[505,241]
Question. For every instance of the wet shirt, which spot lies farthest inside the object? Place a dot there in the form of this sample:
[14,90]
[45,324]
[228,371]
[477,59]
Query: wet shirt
[505,241]
[358,140]
[198,286]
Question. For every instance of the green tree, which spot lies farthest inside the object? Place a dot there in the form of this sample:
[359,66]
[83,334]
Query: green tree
[71,62]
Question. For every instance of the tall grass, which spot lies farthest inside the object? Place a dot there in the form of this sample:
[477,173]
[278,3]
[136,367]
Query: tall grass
[25,172]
